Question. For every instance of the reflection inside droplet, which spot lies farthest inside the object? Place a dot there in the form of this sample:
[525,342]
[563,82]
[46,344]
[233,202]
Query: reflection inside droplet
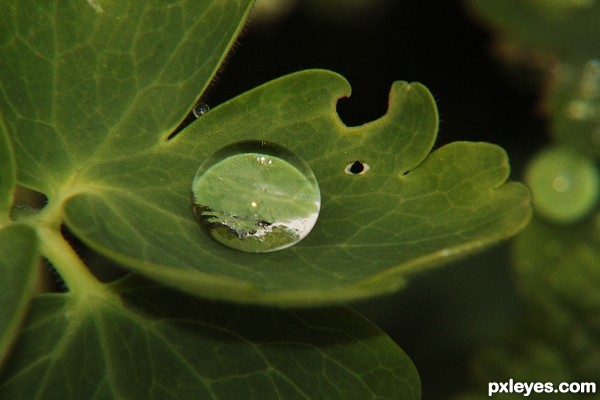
[256,197]
[561,183]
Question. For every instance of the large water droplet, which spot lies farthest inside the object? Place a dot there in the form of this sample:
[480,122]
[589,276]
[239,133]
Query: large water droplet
[256,197]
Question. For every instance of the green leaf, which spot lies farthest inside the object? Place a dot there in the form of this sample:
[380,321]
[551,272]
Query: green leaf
[406,212]
[557,271]
[88,80]
[556,268]
[561,262]
[19,256]
[7,174]
[567,29]
[150,342]
[573,105]
[101,86]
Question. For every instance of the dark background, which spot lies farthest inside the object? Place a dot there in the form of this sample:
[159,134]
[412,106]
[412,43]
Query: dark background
[439,44]
[445,315]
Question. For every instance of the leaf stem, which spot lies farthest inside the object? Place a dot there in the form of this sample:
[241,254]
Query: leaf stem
[71,268]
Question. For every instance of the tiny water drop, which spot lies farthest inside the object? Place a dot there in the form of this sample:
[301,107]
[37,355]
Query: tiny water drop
[256,196]
[200,109]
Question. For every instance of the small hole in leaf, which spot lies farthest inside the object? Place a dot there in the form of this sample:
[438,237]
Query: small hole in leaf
[356,168]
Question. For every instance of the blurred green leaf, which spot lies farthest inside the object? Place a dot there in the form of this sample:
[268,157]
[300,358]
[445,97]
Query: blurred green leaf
[561,262]
[569,30]
[556,257]
[19,255]
[143,341]
[559,337]
[573,104]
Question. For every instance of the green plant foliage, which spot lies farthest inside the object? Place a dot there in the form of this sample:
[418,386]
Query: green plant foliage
[558,341]
[7,175]
[567,29]
[123,188]
[91,93]
[18,259]
[373,229]
[563,37]
[565,263]
[574,106]
[143,341]
[18,256]
[567,35]
[83,83]
[557,269]
[556,257]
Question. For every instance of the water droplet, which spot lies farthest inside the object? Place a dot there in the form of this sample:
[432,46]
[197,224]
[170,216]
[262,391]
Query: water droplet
[356,168]
[565,185]
[256,196]
[200,109]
